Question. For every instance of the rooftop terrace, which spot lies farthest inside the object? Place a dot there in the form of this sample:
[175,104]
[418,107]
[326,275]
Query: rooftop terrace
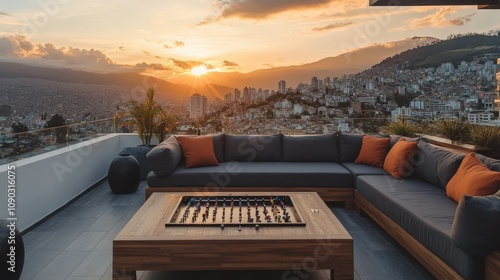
[69,218]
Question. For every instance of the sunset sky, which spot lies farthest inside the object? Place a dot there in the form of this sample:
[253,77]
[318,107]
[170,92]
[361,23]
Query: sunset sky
[171,37]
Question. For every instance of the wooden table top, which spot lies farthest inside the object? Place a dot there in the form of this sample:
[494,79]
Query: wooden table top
[148,223]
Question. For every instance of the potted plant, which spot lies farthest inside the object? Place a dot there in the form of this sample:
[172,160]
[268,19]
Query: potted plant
[149,119]
[167,122]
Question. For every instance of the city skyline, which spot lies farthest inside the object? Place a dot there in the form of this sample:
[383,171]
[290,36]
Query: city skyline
[171,38]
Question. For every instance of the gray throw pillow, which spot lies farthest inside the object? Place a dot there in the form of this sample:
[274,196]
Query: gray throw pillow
[317,148]
[252,147]
[349,146]
[476,227]
[436,165]
[165,157]
[492,164]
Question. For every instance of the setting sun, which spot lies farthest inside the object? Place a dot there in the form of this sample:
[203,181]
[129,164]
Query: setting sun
[199,70]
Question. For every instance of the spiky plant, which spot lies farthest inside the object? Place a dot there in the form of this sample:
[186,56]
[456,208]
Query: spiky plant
[144,116]
[402,127]
[485,136]
[167,122]
[452,129]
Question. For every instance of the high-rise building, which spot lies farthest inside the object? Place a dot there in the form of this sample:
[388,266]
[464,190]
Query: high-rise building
[282,86]
[198,107]
[497,100]
[314,82]
[237,94]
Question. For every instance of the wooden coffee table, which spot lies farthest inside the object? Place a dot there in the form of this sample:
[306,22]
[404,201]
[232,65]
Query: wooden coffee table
[146,243]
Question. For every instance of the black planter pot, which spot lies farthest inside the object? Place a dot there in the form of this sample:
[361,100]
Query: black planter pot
[124,174]
[139,153]
[12,261]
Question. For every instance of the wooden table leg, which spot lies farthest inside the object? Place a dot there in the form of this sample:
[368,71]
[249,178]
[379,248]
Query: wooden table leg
[341,274]
[121,274]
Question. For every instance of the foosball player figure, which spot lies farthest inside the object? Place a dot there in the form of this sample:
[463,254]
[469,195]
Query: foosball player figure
[271,200]
[213,219]
[204,218]
[279,218]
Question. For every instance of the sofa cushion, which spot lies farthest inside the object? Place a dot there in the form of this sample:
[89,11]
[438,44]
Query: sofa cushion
[425,212]
[218,142]
[373,151]
[198,151]
[397,162]
[165,157]
[436,165]
[476,227]
[362,169]
[318,148]
[258,174]
[349,146]
[252,147]
[472,178]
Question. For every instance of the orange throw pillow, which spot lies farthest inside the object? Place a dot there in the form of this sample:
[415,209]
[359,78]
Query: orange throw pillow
[397,162]
[373,151]
[472,178]
[198,151]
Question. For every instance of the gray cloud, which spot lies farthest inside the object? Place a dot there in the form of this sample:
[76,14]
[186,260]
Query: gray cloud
[140,67]
[462,20]
[258,9]
[228,63]
[4,14]
[19,46]
[331,26]
[187,65]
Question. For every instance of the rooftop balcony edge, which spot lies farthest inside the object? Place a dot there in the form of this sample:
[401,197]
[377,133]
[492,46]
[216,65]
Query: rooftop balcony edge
[42,184]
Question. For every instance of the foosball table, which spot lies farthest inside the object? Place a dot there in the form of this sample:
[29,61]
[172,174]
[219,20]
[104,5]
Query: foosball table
[292,232]
[237,211]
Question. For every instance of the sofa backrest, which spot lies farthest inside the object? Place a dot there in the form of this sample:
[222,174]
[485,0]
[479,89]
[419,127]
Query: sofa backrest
[252,147]
[435,164]
[303,148]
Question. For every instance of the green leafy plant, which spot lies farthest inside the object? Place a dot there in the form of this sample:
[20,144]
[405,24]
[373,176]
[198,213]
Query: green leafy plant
[144,116]
[167,122]
[485,136]
[452,129]
[402,127]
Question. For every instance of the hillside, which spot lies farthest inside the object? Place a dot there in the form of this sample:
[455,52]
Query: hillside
[454,50]
[347,63]
[126,79]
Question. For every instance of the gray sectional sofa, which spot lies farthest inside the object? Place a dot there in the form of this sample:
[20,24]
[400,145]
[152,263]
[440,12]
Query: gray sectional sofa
[415,210]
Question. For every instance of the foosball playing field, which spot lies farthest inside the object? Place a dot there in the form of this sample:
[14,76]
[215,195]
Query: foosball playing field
[225,211]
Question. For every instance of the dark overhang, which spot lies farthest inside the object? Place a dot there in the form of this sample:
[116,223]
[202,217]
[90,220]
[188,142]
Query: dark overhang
[491,4]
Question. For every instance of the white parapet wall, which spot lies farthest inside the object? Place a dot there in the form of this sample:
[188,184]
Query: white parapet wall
[39,185]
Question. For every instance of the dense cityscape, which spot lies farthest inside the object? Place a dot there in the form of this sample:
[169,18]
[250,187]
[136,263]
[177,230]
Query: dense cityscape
[359,103]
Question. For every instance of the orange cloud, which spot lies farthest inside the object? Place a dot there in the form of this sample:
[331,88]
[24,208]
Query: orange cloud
[439,19]
[335,25]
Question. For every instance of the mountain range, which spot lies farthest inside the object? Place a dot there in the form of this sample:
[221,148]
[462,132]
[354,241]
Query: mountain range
[416,51]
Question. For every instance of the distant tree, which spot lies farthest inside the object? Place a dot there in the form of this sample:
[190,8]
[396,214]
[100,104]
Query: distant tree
[57,121]
[19,127]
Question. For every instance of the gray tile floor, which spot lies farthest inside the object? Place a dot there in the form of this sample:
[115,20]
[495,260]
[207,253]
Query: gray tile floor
[76,244]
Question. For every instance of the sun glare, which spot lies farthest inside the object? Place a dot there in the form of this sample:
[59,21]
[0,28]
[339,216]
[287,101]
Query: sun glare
[199,70]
